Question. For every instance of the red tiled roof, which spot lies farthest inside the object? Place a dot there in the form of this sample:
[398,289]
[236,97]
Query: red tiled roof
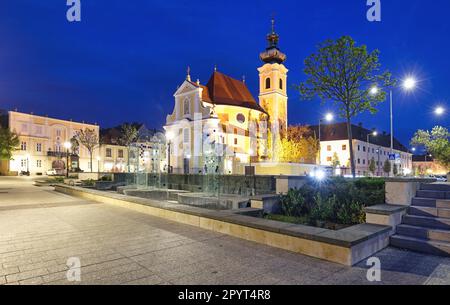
[224,90]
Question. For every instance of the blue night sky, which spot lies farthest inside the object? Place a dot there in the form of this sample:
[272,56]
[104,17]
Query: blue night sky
[125,59]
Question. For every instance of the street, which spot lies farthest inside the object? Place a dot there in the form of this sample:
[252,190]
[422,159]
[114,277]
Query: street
[41,229]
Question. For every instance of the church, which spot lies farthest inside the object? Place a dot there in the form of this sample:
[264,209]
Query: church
[220,128]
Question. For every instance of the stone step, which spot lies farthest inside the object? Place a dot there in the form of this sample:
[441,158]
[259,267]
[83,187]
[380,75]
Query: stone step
[429,212]
[424,233]
[441,248]
[424,202]
[443,204]
[435,187]
[434,194]
[430,222]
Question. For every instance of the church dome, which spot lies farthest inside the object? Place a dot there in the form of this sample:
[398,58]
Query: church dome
[272,54]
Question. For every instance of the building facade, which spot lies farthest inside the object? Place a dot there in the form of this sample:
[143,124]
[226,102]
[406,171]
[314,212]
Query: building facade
[425,165]
[219,127]
[42,141]
[335,151]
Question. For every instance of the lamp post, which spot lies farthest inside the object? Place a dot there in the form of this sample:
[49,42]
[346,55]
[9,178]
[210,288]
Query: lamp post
[98,163]
[328,117]
[374,134]
[28,164]
[408,85]
[67,146]
[169,137]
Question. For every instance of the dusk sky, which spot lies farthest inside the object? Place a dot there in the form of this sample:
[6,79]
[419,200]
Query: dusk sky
[125,59]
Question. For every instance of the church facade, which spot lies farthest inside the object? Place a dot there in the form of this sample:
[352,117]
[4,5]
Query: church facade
[220,128]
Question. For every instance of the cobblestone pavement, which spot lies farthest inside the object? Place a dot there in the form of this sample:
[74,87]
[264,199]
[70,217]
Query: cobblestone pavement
[40,229]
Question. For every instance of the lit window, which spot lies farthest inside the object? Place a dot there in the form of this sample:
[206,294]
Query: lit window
[329,148]
[329,159]
[235,141]
[344,147]
[186,106]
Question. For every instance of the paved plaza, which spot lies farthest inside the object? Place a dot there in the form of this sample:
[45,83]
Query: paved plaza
[41,229]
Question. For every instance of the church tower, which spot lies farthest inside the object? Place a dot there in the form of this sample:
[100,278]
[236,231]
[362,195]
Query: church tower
[273,89]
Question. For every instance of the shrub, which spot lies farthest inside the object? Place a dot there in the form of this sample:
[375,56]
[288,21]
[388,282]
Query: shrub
[336,200]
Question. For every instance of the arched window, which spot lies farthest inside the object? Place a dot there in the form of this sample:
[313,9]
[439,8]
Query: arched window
[268,83]
[186,106]
[281,84]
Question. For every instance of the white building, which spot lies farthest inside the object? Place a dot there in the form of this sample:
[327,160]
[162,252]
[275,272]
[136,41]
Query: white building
[334,149]
[41,144]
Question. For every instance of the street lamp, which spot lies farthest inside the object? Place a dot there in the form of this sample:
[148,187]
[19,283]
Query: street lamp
[374,134]
[98,163]
[28,164]
[169,137]
[328,117]
[439,111]
[408,85]
[67,146]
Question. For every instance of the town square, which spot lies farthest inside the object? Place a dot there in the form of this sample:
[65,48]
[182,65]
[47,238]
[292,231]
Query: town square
[207,143]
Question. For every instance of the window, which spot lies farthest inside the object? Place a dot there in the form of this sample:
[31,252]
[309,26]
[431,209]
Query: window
[364,148]
[38,163]
[186,135]
[38,130]
[235,141]
[240,118]
[23,146]
[268,83]
[359,161]
[281,84]
[23,162]
[364,161]
[108,153]
[58,132]
[235,131]
[120,153]
[38,147]
[329,159]
[344,147]
[186,106]
[373,150]
[359,147]
[329,148]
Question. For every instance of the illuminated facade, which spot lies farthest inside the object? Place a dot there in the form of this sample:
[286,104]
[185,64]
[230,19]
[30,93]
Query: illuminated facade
[219,127]
[41,146]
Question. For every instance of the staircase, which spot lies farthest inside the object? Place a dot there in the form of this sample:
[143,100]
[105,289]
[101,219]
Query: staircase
[426,226]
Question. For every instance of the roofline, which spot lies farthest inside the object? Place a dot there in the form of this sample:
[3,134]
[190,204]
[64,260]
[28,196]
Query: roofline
[52,118]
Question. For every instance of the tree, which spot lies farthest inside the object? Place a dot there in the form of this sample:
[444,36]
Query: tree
[372,166]
[8,143]
[436,142]
[342,72]
[395,170]
[298,146]
[89,139]
[335,162]
[74,146]
[387,167]
[129,135]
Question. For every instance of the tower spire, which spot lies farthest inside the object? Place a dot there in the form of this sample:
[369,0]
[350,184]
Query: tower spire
[188,73]
[272,54]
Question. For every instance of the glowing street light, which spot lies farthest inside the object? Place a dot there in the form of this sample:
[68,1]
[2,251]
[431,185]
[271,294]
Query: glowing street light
[328,117]
[169,137]
[374,91]
[409,83]
[439,111]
